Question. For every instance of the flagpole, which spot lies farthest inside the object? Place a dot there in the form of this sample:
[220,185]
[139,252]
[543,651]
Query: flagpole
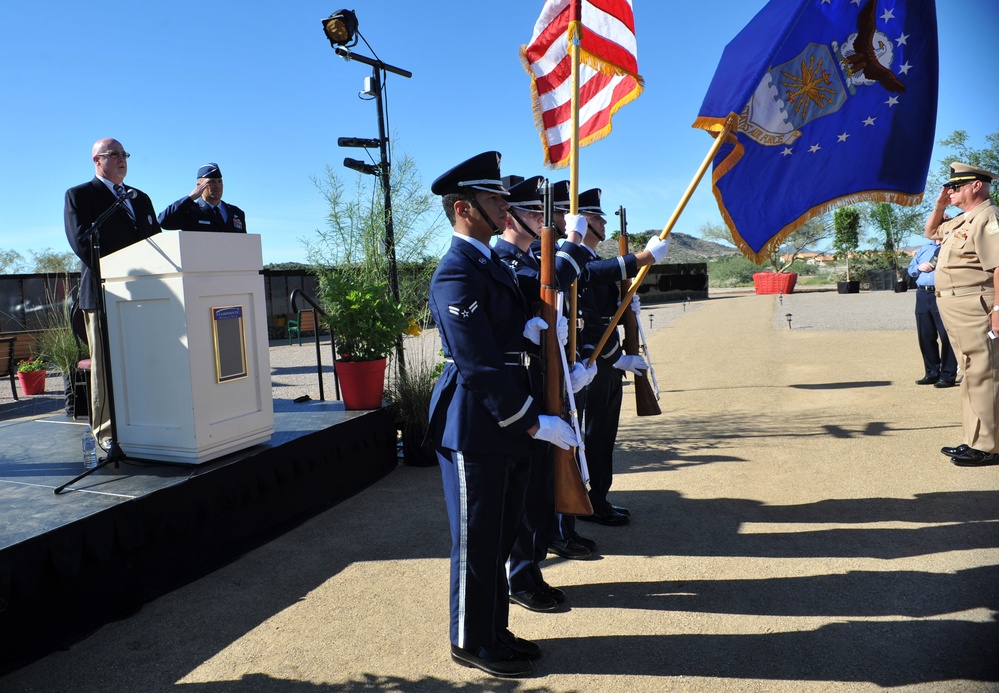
[576,32]
[730,124]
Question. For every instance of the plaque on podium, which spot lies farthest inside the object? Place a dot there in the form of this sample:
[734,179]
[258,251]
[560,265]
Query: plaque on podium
[187,332]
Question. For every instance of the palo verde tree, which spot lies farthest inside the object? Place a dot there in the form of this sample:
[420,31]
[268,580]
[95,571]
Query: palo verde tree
[808,235]
[846,222]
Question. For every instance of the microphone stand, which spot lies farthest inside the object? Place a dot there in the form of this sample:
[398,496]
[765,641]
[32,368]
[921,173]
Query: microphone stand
[115,453]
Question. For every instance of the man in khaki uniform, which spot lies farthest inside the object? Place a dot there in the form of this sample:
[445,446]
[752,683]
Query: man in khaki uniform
[967,283]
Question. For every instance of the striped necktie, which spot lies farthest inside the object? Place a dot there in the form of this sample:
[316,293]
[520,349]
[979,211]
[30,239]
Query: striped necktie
[119,190]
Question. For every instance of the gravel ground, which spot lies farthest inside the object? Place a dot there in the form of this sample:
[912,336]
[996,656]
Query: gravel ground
[794,528]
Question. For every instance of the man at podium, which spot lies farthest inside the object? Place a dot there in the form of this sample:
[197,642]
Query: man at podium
[203,209]
[133,221]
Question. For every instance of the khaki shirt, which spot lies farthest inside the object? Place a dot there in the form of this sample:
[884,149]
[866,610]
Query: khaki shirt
[969,249]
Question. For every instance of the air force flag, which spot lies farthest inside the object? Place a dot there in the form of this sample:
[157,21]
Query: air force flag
[836,103]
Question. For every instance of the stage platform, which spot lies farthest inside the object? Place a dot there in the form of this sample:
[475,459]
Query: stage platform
[121,537]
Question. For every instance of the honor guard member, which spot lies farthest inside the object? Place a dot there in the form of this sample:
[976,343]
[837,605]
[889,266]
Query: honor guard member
[132,222]
[203,209]
[483,416]
[967,290]
[599,299]
[525,218]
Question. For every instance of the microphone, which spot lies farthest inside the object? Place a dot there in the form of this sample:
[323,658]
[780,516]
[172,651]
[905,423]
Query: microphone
[130,194]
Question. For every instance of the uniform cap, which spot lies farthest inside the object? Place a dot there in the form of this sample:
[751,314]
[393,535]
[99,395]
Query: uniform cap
[589,202]
[526,194]
[560,196]
[965,173]
[481,172]
[209,171]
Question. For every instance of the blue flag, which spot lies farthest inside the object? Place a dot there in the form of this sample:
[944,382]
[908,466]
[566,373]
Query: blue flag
[836,103]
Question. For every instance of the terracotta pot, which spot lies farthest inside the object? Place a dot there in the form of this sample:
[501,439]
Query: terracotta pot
[362,383]
[32,383]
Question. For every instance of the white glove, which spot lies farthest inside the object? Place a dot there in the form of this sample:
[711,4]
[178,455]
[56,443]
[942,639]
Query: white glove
[532,330]
[636,305]
[562,329]
[581,375]
[556,431]
[631,363]
[575,223]
[657,247]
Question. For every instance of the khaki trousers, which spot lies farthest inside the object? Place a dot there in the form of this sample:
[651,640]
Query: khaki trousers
[100,412]
[967,319]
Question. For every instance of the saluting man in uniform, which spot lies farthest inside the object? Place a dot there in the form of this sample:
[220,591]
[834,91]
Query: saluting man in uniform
[203,209]
[483,416]
[967,289]
[525,218]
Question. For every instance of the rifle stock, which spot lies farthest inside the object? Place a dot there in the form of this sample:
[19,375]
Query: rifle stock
[571,497]
[646,403]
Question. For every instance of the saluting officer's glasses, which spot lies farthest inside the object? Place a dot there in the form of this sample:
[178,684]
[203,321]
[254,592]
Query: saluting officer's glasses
[115,155]
[956,186]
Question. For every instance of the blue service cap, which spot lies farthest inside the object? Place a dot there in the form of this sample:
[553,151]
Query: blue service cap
[481,172]
[526,194]
[589,202]
[560,196]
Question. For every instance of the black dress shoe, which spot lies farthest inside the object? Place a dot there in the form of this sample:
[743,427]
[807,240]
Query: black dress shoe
[928,380]
[955,452]
[608,517]
[567,548]
[619,509]
[501,662]
[553,592]
[944,383]
[583,541]
[975,458]
[519,646]
[534,601]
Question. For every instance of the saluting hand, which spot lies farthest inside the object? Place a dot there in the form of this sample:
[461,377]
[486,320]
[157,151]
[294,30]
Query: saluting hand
[198,189]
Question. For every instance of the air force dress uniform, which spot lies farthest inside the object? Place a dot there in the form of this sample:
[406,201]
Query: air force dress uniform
[198,215]
[480,413]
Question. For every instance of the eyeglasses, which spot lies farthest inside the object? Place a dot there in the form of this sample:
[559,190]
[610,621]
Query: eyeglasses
[957,186]
[115,155]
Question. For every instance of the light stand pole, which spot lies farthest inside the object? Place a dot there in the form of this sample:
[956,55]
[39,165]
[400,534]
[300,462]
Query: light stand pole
[384,167]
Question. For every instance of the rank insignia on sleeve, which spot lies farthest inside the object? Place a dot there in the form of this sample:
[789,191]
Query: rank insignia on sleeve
[461,311]
[993,227]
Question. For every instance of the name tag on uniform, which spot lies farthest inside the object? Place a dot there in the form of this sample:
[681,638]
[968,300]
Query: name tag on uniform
[204,221]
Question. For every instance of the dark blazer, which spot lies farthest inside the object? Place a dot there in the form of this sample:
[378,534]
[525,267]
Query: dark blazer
[86,202]
[481,403]
[187,215]
[599,291]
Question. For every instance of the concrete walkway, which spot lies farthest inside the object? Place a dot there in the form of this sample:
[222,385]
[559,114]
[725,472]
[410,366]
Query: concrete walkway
[795,529]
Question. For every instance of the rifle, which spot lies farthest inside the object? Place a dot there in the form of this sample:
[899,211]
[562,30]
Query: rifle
[571,497]
[646,400]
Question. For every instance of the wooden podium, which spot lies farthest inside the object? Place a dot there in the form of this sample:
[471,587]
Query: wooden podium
[187,328]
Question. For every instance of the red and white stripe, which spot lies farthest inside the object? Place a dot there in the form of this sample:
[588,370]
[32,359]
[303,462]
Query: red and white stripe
[608,74]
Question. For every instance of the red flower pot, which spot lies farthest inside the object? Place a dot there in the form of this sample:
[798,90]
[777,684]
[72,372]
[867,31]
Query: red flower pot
[32,382]
[362,383]
[774,282]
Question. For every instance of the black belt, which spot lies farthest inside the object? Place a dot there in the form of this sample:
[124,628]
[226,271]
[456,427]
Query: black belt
[927,288]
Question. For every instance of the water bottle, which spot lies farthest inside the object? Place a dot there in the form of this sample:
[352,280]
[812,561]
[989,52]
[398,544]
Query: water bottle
[89,449]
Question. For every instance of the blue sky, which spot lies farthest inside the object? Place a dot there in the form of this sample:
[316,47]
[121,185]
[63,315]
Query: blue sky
[256,88]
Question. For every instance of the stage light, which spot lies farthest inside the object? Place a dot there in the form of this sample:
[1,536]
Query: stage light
[356,165]
[341,28]
[364,142]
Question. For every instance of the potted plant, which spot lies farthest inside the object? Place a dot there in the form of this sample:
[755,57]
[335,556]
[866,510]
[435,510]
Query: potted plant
[31,375]
[365,322]
[846,240]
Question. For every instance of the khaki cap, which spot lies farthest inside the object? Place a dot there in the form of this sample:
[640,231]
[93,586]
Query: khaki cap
[964,173]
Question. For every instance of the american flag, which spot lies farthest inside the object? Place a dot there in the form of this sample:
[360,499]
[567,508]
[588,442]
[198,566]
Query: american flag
[608,75]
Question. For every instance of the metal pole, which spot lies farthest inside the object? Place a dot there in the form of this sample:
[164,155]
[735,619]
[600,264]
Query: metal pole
[386,174]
